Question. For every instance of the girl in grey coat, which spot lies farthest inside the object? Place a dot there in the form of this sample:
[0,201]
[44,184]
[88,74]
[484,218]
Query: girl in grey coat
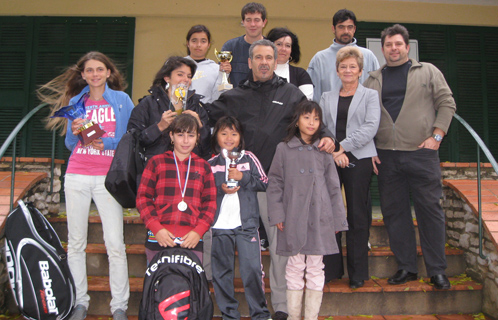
[305,203]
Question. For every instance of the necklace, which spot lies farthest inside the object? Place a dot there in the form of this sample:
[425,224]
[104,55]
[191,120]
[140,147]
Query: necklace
[182,205]
[347,93]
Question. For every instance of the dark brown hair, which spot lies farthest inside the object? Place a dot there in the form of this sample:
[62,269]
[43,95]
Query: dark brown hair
[171,65]
[277,33]
[305,107]
[253,7]
[227,122]
[394,30]
[196,29]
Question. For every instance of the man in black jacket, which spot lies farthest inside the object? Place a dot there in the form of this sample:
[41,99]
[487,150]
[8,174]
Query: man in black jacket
[265,106]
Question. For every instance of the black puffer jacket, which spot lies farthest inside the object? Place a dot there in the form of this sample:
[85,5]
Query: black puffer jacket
[147,114]
[265,110]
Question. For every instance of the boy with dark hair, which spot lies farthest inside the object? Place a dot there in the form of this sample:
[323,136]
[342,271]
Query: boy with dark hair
[254,20]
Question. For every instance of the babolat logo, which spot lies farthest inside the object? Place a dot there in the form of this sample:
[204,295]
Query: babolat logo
[176,258]
[47,295]
[10,267]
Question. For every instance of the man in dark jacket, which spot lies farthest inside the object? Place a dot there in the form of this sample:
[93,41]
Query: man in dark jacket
[265,106]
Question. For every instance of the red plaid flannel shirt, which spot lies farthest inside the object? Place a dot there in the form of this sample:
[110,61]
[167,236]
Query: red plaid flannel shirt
[159,194]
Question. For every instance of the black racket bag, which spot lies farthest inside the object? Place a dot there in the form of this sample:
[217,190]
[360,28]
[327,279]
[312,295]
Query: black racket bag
[39,274]
[175,288]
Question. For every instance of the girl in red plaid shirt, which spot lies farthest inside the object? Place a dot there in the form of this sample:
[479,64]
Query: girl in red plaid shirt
[177,195]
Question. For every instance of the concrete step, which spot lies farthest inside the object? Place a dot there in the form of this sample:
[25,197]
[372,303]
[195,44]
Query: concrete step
[376,297]
[382,263]
[134,229]
[359,317]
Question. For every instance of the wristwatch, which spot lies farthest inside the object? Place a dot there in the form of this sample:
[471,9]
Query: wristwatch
[437,137]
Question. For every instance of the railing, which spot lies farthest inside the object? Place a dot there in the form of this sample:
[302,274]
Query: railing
[487,153]
[13,138]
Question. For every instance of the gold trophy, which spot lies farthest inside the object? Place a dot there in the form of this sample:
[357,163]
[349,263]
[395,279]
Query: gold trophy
[180,93]
[224,56]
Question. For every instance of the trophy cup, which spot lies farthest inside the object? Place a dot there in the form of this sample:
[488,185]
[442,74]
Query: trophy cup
[233,156]
[180,92]
[89,130]
[224,56]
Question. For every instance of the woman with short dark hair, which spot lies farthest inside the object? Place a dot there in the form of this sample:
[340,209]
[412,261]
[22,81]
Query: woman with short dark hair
[288,51]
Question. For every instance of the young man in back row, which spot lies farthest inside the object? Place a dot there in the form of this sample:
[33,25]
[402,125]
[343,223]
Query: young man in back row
[254,20]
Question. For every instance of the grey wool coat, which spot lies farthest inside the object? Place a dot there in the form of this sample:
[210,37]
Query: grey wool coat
[304,193]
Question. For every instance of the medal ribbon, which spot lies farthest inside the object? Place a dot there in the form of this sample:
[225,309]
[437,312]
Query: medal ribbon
[178,175]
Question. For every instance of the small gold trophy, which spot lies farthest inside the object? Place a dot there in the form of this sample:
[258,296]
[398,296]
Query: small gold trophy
[224,56]
[180,93]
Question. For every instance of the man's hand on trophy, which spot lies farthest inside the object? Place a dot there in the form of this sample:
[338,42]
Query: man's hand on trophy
[225,67]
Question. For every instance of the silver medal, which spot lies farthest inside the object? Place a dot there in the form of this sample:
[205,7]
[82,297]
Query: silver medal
[182,206]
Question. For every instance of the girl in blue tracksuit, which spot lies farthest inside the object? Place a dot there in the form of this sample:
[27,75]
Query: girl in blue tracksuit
[236,222]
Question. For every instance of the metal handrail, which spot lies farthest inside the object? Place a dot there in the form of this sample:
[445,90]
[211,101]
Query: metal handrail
[487,153]
[13,138]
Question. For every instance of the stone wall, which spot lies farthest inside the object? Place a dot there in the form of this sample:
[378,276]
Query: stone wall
[39,195]
[462,231]
[464,170]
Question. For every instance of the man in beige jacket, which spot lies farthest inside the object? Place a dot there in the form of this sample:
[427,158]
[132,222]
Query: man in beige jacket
[417,107]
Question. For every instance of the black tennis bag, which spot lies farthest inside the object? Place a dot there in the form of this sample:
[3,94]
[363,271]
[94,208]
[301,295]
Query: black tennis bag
[39,274]
[175,287]
[126,169]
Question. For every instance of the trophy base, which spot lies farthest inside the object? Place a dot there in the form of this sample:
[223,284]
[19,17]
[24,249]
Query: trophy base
[89,134]
[225,87]
[232,184]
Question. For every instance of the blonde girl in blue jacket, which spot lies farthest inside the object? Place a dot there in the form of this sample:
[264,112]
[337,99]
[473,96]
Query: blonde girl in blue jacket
[96,81]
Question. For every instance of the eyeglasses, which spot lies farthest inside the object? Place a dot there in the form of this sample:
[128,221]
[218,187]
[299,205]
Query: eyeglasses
[342,27]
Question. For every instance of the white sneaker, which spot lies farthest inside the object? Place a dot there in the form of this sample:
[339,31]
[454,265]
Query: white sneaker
[79,313]
[119,314]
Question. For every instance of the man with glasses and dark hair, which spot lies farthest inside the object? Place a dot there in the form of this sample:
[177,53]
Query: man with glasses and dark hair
[322,66]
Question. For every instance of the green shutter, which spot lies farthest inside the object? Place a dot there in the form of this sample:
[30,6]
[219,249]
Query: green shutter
[468,58]
[15,44]
[34,50]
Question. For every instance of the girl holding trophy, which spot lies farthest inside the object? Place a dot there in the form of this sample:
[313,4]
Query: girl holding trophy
[93,88]
[169,97]
[236,221]
[209,74]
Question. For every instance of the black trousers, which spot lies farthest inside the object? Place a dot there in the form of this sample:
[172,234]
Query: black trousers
[250,265]
[418,172]
[356,181]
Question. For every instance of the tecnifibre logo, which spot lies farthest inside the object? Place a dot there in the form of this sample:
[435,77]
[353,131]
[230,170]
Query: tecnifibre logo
[174,259]
[47,295]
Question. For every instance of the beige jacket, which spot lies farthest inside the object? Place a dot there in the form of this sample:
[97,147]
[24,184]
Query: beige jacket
[428,104]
